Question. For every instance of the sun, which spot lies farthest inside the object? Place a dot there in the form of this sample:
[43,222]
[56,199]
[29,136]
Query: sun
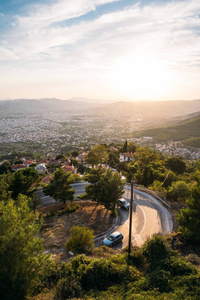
[140,76]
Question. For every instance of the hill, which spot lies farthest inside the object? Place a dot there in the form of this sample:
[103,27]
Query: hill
[187,131]
[42,105]
[159,109]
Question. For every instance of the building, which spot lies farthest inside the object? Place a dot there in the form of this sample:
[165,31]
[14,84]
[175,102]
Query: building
[125,157]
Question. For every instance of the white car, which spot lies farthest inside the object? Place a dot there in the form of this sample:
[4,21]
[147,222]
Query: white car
[113,239]
[123,203]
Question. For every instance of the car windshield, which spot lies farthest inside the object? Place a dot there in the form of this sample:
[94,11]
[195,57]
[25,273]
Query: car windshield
[110,237]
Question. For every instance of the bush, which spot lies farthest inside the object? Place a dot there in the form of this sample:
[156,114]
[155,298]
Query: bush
[81,240]
[101,273]
[156,250]
[159,279]
[68,288]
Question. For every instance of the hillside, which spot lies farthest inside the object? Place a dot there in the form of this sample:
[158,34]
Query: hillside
[159,109]
[42,105]
[186,131]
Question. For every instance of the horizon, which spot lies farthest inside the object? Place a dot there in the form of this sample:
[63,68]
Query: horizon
[105,50]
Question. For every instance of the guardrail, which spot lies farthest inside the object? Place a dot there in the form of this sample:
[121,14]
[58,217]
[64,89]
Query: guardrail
[149,192]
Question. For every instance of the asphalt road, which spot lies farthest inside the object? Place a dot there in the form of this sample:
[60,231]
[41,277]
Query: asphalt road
[149,216]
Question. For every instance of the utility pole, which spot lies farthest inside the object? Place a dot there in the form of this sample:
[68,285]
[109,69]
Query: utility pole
[130,218]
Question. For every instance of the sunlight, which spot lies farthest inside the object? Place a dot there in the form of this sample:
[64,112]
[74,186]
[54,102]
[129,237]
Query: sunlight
[141,76]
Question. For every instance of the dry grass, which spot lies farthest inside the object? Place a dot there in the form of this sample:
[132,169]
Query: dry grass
[56,228]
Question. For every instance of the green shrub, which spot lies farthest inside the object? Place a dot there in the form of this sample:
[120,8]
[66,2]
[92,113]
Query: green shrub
[179,267]
[156,250]
[101,273]
[159,279]
[137,259]
[81,240]
[68,288]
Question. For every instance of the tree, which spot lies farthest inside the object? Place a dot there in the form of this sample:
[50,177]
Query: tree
[131,147]
[106,188]
[21,257]
[22,180]
[98,155]
[60,156]
[178,191]
[111,187]
[34,202]
[81,240]
[5,167]
[75,153]
[113,159]
[189,218]
[175,164]
[125,147]
[92,189]
[60,186]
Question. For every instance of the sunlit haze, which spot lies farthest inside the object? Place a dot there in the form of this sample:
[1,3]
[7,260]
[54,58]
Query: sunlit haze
[100,49]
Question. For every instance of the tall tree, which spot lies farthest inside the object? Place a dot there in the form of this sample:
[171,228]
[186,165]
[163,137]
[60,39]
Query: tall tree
[60,186]
[112,188]
[125,147]
[106,188]
[98,155]
[22,181]
[189,218]
[92,189]
[21,255]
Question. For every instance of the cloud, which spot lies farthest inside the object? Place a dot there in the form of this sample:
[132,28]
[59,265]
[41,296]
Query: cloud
[89,49]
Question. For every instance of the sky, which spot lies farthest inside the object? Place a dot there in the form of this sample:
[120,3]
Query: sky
[102,49]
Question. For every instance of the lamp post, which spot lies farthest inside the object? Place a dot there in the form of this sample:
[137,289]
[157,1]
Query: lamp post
[130,218]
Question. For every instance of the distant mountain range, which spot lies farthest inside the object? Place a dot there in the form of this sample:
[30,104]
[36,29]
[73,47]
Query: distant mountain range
[42,105]
[165,109]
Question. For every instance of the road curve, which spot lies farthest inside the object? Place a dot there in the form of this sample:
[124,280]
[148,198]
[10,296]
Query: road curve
[149,216]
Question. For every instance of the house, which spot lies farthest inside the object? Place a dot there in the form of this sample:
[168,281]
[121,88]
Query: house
[113,149]
[81,157]
[41,168]
[66,163]
[18,167]
[125,157]
[28,163]
[46,179]
[70,169]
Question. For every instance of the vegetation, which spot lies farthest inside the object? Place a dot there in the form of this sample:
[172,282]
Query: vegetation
[155,271]
[98,154]
[184,131]
[21,259]
[105,188]
[60,186]
[81,240]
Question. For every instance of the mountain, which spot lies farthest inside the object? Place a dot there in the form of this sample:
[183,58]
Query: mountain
[156,109]
[187,131]
[42,105]
[166,109]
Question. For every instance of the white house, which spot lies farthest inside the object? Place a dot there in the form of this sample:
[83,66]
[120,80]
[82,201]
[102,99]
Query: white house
[41,168]
[125,157]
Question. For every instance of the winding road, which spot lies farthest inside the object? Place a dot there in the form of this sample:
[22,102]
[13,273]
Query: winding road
[149,216]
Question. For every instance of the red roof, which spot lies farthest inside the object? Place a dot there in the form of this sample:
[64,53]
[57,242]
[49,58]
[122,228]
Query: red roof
[69,169]
[46,179]
[126,154]
[18,166]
